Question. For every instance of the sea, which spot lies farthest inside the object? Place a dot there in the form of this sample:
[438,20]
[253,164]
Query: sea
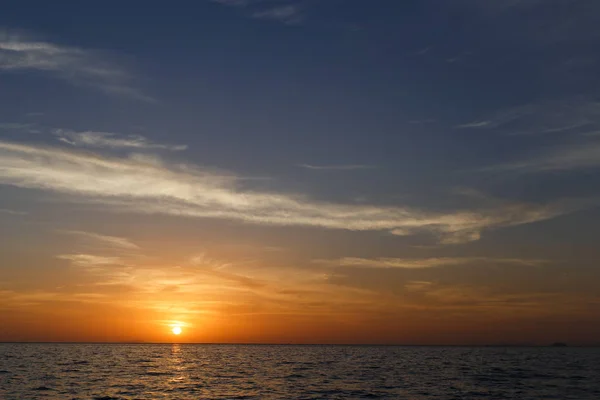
[190,371]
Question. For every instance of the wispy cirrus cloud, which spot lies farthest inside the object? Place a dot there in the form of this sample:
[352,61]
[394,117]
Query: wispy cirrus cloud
[475,124]
[75,65]
[111,140]
[187,191]
[114,242]
[90,260]
[12,212]
[564,134]
[16,126]
[346,167]
[410,263]
[284,11]
[203,260]
[563,116]
[101,253]
[570,157]
[288,14]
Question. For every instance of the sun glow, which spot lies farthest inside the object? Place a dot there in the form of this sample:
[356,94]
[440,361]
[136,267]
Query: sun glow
[176,330]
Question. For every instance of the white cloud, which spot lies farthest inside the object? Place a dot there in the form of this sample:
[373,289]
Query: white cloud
[348,167]
[409,263]
[288,14]
[89,260]
[12,212]
[476,124]
[285,11]
[203,260]
[111,140]
[109,241]
[75,65]
[563,116]
[15,126]
[574,121]
[577,156]
[131,185]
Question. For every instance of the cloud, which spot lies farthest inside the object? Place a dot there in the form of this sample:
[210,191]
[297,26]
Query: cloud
[476,124]
[75,65]
[105,240]
[111,140]
[132,185]
[202,259]
[12,212]
[288,14]
[349,167]
[416,286]
[89,260]
[284,11]
[16,126]
[563,116]
[408,263]
[573,124]
[98,252]
[585,155]
[501,118]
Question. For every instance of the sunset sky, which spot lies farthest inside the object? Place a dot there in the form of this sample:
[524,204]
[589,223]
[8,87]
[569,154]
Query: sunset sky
[300,171]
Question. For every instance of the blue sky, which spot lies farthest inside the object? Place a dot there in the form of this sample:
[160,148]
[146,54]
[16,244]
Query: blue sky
[394,148]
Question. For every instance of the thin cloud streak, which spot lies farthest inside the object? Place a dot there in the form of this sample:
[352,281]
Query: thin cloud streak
[12,212]
[349,167]
[476,124]
[111,140]
[573,157]
[90,260]
[75,65]
[111,241]
[16,126]
[287,12]
[203,260]
[132,185]
[564,116]
[407,263]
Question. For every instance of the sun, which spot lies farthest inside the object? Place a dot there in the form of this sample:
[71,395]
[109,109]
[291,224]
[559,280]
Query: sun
[176,330]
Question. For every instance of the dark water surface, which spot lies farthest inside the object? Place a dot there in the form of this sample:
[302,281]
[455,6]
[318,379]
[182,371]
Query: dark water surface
[153,371]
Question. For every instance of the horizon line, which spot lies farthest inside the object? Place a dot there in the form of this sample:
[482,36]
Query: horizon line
[305,344]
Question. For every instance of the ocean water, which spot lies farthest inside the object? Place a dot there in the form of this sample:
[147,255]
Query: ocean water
[156,371]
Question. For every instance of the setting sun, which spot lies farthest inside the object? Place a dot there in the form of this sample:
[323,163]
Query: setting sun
[176,330]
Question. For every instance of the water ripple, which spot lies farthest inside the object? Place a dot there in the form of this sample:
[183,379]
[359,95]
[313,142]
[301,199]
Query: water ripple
[110,372]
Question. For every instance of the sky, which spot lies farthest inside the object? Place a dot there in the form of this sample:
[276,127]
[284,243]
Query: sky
[300,171]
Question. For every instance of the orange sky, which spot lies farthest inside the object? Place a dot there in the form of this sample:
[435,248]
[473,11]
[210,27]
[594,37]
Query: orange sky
[95,287]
